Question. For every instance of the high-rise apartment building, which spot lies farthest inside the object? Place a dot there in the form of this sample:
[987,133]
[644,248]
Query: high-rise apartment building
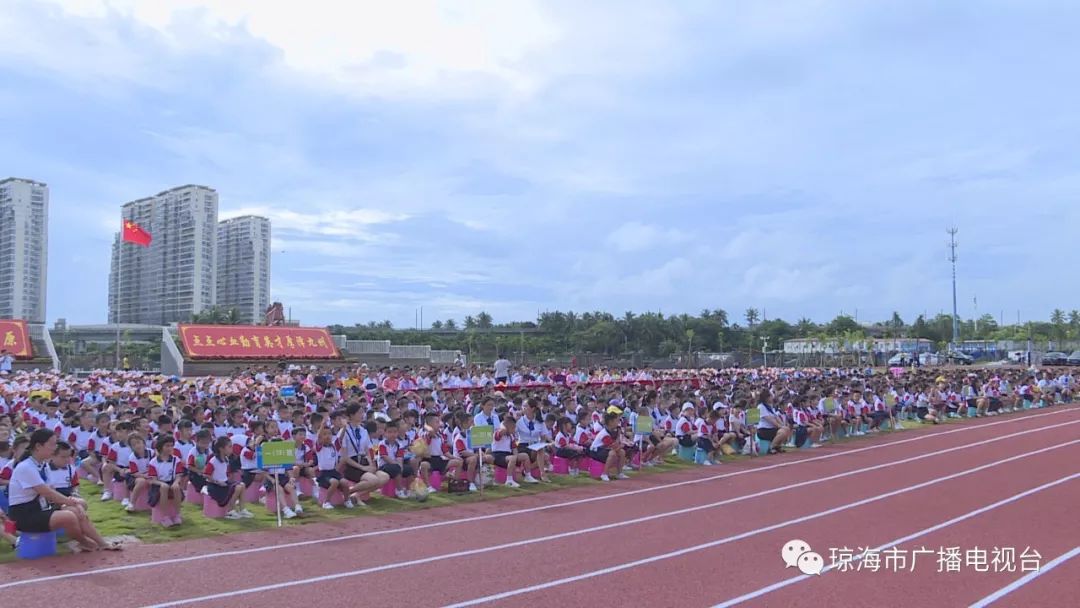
[24,249]
[174,278]
[243,266]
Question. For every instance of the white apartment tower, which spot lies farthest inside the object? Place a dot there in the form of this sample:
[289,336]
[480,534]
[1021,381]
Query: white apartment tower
[243,266]
[174,278]
[24,249]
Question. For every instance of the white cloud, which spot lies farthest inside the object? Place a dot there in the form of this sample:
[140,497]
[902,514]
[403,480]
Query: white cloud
[333,222]
[376,48]
[637,236]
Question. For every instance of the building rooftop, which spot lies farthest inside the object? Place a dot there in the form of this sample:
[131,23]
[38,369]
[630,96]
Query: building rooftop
[244,217]
[23,179]
[185,187]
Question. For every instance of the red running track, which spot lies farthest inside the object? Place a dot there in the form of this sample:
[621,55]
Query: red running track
[486,569]
[1048,587]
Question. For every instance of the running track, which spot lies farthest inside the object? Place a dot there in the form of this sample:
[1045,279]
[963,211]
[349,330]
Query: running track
[709,536]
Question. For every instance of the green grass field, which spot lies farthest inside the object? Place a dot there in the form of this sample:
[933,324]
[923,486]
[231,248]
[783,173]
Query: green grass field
[112,520]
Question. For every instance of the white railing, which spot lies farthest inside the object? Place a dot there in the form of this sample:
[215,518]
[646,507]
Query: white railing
[367,347]
[50,348]
[410,352]
[172,360]
[445,356]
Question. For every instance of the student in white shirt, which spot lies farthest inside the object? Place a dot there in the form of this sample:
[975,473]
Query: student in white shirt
[33,504]
[771,426]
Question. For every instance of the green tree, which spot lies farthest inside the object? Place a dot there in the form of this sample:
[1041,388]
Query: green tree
[805,328]
[841,325]
[751,315]
[450,324]
[1057,319]
[436,324]
[483,320]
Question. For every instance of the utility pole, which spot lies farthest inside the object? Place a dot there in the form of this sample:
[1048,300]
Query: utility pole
[952,258]
[765,351]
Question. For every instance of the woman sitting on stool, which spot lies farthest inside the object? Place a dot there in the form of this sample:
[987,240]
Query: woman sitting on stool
[33,502]
[771,426]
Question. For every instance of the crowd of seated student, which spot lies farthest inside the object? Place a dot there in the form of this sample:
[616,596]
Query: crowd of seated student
[359,431]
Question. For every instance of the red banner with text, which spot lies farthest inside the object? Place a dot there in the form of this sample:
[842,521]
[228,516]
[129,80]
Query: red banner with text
[15,339]
[257,342]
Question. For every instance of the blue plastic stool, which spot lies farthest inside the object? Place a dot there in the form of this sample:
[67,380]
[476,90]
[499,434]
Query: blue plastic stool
[3,501]
[36,545]
[972,411]
[700,456]
[884,424]
[763,445]
[687,453]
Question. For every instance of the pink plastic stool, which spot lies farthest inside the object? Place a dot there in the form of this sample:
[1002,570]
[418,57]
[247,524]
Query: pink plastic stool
[119,490]
[142,503]
[596,468]
[336,499]
[253,492]
[307,486]
[389,489]
[436,480]
[165,514]
[536,473]
[636,460]
[271,499]
[211,509]
[192,495]
[560,466]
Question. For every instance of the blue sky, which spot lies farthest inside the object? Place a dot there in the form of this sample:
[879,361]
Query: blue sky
[800,157]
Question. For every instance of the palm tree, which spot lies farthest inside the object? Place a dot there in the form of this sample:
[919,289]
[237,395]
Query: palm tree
[751,316]
[1057,319]
[470,322]
[450,325]
[437,324]
[483,320]
[805,327]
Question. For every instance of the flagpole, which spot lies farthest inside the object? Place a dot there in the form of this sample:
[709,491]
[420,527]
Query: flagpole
[119,267]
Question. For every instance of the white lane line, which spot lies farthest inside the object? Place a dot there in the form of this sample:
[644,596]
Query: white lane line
[1027,578]
[656,558]
[523,511]
[802,577]
[576,533]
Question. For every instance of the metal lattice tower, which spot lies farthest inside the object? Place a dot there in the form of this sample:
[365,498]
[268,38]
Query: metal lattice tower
[952,258]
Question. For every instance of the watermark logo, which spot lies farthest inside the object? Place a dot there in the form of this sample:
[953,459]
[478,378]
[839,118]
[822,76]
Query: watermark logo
[797,554]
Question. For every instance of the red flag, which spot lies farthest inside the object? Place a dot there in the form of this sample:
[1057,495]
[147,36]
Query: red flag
[133,233]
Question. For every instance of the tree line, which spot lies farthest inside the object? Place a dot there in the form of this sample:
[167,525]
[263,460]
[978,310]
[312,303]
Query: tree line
[652,334]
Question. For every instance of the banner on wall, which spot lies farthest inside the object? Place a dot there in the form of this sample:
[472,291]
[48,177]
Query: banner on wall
[15,338]
[257,342]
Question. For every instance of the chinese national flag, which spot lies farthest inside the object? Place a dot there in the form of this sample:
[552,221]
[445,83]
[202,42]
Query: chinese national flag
[133,233]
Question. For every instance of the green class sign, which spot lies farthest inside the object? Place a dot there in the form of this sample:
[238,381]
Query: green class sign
[643,425]
[276,454]
[481,436]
